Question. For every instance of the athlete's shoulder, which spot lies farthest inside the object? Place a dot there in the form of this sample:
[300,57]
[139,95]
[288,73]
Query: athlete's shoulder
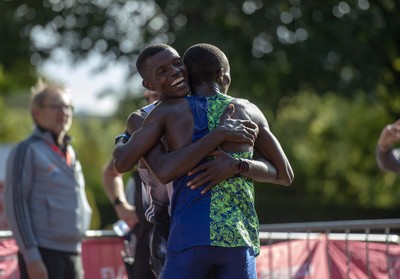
[166,110]
[173,101]
[136,114]
[250,109]
[241,101]
[134,121]
[170,106]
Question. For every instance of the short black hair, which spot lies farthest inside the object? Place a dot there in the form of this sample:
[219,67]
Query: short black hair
[146,53]
[203,62]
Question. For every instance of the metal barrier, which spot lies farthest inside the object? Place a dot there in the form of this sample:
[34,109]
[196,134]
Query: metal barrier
[298,230]
[356,236]
[283,240]
[357,230]
[88,234]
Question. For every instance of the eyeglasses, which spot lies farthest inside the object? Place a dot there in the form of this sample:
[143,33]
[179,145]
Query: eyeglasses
[60,107]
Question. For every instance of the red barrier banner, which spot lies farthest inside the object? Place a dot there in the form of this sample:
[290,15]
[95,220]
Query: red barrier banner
[329,259]
[299,259]
[102,258]
[8,259]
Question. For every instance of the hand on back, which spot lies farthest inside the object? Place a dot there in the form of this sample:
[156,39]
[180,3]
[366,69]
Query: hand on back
[238,130]
[222,167]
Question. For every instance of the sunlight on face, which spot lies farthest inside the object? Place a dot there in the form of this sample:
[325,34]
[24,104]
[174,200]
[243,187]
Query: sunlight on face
[56,113]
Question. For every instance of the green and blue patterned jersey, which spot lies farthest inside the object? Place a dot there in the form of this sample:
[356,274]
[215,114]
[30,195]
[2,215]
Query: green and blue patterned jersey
[224,216]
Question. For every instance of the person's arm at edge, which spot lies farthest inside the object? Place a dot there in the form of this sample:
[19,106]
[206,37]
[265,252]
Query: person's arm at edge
[114,187]
[387,157]
[113,182]
[388,160]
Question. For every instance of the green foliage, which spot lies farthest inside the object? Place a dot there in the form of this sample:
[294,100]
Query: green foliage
[331,145]
[276,48]
[13,81]
[127,105]
[14,123]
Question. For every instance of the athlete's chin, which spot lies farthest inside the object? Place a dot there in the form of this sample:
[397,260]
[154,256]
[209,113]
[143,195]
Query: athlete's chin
[180,92]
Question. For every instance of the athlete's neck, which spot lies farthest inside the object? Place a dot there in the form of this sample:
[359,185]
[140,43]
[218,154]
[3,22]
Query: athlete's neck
[206,89]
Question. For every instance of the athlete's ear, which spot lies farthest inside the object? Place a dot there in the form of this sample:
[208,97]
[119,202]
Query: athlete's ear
[223,79]
[220,75]
[148,85]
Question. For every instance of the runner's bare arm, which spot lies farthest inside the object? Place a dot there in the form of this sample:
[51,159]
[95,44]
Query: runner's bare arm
[268,157]
[127,154]
[268,147]
[167,167]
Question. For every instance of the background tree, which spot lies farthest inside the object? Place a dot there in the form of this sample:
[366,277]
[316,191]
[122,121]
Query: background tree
[326,75]
[277,46]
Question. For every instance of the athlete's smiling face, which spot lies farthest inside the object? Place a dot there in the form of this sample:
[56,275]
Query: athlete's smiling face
[166,74]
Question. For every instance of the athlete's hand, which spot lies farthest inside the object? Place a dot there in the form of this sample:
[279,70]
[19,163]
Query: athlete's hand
[237,130]
[215,171]
[389,135]
[127,212]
